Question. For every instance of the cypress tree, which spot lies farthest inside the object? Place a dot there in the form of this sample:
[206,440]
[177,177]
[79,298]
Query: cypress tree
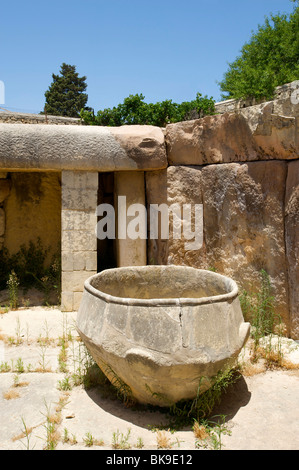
[65,96]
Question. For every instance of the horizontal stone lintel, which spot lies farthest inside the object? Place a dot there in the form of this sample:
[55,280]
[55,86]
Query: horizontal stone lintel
[82,148]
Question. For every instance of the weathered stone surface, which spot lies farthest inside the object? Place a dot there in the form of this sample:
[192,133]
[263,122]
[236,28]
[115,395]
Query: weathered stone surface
[162,330]
[4,189]
[74,281]
[212,139]
[175,186]
[88,148]
[156,193]
[130,251]
[79,260]
[78,235]
[144,145]
[184,186]
[26,118]
[33,211]
[243,222]
[79,240]
[67,301]
[79,219]
[253,133]
[292,242]
[286,99]
[275,135]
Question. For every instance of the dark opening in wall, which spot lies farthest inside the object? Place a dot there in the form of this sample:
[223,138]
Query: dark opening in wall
[106,249]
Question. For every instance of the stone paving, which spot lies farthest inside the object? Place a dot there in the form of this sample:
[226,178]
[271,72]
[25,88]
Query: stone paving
[39,411]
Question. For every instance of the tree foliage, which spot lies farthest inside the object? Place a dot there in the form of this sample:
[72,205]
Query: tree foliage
[134,110]
[269,59]
[65,96]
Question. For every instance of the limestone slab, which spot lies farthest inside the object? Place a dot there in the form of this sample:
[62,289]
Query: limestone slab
[253,133]
[212,139]
[87,148]
[130,251]
[79,240]
[74,281]
[243,222]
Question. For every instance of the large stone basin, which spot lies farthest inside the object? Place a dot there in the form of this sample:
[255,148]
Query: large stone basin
[160,332]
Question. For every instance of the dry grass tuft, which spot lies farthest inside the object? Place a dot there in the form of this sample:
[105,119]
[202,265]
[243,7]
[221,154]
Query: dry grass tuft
[11,394]
[200,431]
[22,435]
[163,440]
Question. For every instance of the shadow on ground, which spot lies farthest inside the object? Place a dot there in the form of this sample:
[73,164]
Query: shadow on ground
[236,396]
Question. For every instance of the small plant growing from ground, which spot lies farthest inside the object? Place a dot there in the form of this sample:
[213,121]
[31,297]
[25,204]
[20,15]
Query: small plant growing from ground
[139,443]
[51,424]
[25,434]
[209,433]
[67,439]
[163,440]
[121,441]
[259,310]
[203,404]
[13,288]
[90,441]
[122,390]
[31,267]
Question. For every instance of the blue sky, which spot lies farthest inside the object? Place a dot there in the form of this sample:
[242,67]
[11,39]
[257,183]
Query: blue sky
[164,49]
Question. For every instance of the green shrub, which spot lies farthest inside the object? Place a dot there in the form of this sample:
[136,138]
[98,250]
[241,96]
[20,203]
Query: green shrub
[135,111]
[269,59]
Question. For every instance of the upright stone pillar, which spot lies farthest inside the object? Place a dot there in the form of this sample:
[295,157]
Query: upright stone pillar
[130,252]
[78,240]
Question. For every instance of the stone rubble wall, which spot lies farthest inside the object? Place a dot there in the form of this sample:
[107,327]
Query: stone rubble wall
[27,118]
[282,94]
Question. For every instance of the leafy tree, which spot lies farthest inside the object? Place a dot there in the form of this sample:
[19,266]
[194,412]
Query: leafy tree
[134,110]
[65,96]
[269,59]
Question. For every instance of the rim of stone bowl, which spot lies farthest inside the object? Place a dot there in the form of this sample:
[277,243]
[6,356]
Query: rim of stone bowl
[154,302]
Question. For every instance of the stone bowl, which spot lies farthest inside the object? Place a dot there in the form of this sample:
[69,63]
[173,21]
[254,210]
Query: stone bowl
[161,334]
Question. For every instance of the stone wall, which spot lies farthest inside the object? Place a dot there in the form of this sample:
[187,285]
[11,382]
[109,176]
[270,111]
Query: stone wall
[282,94]
[27,118]
[243,168]
[243,224]
[30,211]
